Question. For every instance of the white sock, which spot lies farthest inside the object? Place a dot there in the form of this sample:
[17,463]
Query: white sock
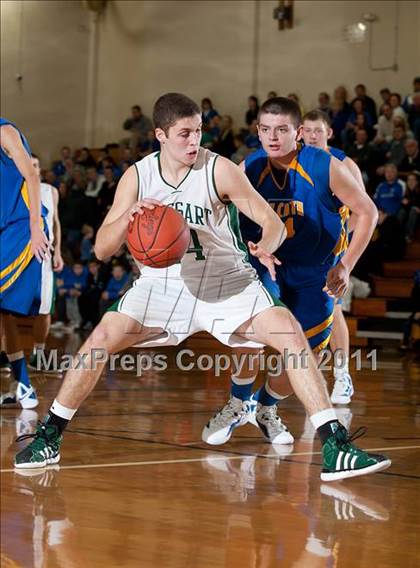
[62,411]
[322,417]
[15,356]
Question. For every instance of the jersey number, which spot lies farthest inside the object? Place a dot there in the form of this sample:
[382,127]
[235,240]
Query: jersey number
[196,248]
[289,227]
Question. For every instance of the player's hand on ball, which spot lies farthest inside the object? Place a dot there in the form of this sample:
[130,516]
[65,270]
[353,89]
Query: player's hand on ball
[139,206]
[337,281]
[266,258]
[40,245]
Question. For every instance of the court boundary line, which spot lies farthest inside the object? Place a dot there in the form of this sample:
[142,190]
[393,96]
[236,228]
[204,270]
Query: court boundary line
[204,458]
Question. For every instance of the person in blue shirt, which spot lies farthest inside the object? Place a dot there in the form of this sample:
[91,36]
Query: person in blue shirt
[388,195]
[311,191]
[23,246]
[317,131]
[114,289]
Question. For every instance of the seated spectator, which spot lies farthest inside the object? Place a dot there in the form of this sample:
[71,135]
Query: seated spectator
[72,211]
[369,104]
[271,95]
[58,167]
[385,126]
[91,295]
[387,244]
[361,152]
[69,166]
[139,125]
[86,246]
[324,103]
[349,134]
[340,115]
[95,182]
[70,285]
[252,112]
[127,157]
[107,193]
[340,94]
[385,94]
[397,110]
[408,101]
[409,213]
[411,161]
[114,288]
[389,193]
[224,143]
[50,178]
[252,141]
[122,258]
[396,152]
[150,145]
[214,128]
[85,159]
[241,149]
[207,111]
[414,116]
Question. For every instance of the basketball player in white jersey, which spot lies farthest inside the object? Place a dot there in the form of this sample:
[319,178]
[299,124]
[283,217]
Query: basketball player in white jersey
[42,322]
[213,289]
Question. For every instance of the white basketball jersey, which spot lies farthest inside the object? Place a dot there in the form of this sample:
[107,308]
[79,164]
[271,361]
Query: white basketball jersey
[216,248]
[48,201]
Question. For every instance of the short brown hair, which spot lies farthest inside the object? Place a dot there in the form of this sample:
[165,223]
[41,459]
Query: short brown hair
[281,105]
[171,107]
[318,115]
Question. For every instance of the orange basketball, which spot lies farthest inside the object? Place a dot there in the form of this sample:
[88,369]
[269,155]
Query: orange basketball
[158,238]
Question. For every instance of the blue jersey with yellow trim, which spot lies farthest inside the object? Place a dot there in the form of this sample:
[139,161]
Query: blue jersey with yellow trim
[14,201]
[305,203]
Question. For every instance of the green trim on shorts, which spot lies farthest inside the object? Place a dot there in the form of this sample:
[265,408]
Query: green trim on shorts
[114,307]
[276,301]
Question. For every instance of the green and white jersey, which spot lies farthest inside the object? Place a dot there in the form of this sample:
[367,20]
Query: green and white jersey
[47,200]
[216,249]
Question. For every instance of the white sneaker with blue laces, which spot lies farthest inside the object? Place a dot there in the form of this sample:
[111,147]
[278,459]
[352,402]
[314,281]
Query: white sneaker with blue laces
[343,389]
[219,429]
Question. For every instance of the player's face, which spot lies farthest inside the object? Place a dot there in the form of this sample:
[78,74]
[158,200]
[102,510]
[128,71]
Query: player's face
[278,134]
[35,163]
[316,133]
[183,140]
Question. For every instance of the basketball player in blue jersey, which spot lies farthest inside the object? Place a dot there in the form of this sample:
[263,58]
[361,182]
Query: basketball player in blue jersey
[316,131]
[311,191]
[23,246]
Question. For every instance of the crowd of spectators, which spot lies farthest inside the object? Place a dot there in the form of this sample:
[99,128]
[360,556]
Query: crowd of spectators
[382,139]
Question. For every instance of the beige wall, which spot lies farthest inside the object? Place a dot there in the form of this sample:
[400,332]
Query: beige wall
[49,50]
[202,48]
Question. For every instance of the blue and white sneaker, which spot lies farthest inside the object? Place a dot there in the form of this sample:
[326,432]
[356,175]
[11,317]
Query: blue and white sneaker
[23,396]
[343,390]
[269,422]
[219,429]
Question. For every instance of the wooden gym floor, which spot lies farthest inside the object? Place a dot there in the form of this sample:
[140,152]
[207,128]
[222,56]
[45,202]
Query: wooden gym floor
[136,487]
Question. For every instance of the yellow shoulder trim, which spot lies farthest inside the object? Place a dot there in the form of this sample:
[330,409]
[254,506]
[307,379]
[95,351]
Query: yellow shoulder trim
[294,165]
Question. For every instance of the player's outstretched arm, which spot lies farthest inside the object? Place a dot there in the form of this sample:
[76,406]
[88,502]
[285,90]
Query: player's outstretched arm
[12,143]
[113,231]
[233,185]
[352,194]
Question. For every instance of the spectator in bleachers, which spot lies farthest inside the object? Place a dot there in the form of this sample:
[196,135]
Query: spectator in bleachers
[69,167]
[114,288]
[389,193]
[324,103]
[91,295]
[414,318]
[50,178]
[139,125]
[214,129]
[127,157]
[385,126]
[360,123]
[95,182]
[361,152]
[58,167]
[396,152]
[107,192]
[224,145]
[408,101]
[369,105]
[409,213]
[411,161]
[72,211]
[340,115]
[413,116]
[385,93]
[340,94]
[252,112]
[241,149]
[86,246]
[271,94]
[294,97]
[252,141]
[207,111]
[85,159]
[122,258]
[70,284]
[397,110]
[150,145]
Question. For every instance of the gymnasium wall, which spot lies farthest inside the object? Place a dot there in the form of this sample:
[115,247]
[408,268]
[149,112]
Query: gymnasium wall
[79,83]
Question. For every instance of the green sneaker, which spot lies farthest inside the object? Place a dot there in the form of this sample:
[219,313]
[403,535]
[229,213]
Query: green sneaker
[342,459]
[43,450]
